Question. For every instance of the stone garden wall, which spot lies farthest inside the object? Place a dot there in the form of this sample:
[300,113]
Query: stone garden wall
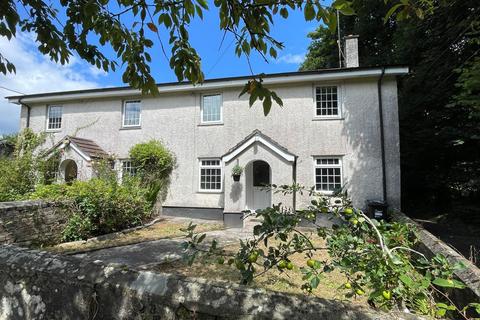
[31,222]
[430,245]
[39,285]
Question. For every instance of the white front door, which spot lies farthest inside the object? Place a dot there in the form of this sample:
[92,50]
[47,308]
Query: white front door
[261,198]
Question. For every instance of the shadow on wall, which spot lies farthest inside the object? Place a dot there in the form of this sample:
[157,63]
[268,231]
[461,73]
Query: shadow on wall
[236,191]
[363,166]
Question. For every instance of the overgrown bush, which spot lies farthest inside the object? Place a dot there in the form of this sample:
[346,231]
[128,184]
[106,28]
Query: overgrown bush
[98,206]
[154,164]
[103,169]
[19,172]
[55,192]
[48,168]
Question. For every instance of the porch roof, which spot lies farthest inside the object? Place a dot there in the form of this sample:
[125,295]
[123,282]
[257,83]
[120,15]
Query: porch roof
[258,136]
[86,148]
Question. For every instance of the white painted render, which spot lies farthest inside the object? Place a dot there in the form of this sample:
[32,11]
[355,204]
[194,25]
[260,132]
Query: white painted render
[174,118]
[85,170]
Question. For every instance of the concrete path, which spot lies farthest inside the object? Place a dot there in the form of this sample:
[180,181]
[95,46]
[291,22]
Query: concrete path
[153,252]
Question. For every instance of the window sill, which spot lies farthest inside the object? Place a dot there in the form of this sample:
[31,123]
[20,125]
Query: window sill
[327,119]
[53,130]
[131,128]
[207,124]
[210,192]
[324,192]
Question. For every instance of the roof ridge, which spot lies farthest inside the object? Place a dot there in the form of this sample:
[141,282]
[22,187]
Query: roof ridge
[78,138]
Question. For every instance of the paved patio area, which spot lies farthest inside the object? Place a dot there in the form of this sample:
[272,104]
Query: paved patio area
[143,254]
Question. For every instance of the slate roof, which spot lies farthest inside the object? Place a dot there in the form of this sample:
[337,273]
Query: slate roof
[87,146]
[257,132]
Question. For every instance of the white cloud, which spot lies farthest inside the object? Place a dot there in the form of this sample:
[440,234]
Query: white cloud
[36,74]
[291,58]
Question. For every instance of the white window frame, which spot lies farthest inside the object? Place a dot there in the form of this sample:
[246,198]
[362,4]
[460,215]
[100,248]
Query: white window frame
[340,95]
[221,108]
[48,119]
[122,170]
[315,166]
[123,114]
[200,166]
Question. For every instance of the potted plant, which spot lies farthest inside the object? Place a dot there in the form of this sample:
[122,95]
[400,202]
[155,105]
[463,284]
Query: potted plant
[237,172]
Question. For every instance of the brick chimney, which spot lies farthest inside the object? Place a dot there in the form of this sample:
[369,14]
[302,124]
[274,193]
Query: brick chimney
[351,51]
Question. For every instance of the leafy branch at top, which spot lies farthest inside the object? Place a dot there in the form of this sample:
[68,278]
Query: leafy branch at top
[75,26]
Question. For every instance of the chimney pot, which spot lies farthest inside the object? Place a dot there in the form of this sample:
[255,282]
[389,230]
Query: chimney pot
[351,51]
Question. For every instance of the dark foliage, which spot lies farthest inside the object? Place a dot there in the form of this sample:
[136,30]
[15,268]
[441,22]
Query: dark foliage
[438,101]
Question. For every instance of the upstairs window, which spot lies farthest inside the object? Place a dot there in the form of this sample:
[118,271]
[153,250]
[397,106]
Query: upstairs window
[128,169]
[132,113]
[328,174]
[210,175]
[54,118]
[326,99]
[211,111]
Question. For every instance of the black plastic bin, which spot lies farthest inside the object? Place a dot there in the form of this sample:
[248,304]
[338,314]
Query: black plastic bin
[377,209]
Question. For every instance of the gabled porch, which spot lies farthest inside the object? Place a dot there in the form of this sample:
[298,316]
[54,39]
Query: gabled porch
[265,162]
[75,157]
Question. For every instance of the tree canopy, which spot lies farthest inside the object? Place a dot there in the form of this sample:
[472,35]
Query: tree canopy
[439,101]
[82,27]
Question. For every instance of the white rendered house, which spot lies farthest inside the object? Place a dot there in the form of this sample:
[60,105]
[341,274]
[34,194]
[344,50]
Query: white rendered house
[338,127]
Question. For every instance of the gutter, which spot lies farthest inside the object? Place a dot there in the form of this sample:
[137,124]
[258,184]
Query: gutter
[382,135]
[29,108]
[294,178]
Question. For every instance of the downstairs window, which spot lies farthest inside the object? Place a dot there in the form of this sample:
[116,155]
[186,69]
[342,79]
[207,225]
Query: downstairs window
[328,174]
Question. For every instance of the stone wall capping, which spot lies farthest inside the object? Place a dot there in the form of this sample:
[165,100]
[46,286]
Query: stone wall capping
[430,245]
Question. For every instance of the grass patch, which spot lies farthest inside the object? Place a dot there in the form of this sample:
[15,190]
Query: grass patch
[163,229]
[289,281]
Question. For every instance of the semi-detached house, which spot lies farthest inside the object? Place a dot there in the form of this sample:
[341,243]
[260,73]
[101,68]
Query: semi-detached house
[337,128]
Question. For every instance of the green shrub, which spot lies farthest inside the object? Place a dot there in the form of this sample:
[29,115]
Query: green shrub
[154,164]
[48,192]
[78,227]
[103,169]
[19,171]
[48,168]
[98,206]
[103,206]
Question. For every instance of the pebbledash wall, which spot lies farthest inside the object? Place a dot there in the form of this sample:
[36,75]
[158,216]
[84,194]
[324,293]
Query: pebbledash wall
[175,119]
[31,222]
[39,285]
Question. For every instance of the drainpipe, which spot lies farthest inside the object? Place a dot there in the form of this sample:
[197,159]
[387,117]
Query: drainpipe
[294,178]
[382,135]
[28,111]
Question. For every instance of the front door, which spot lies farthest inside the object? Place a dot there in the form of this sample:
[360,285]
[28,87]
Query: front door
[71,171]
[261,198]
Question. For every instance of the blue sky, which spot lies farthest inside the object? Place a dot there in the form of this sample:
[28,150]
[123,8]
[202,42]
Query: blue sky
[35,73]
